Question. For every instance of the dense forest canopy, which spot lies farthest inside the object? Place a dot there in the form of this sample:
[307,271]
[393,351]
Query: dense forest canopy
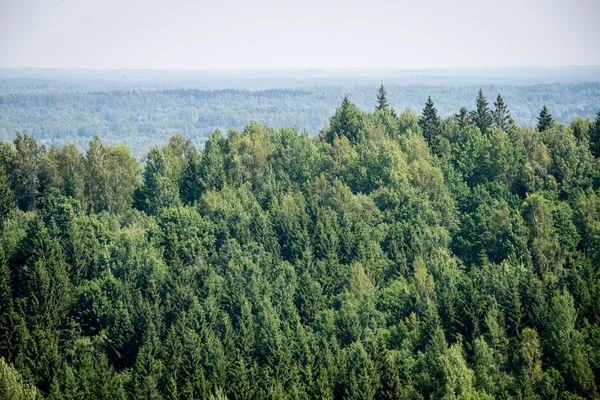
[391,256]
[142,119]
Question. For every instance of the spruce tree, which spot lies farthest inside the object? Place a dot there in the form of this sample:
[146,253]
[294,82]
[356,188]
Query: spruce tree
[382,103]
[482,116]
[348,121]
[462,117]
[545,120]
[7,200]
[430,123]
[502,118]
[25,181]
[595,136]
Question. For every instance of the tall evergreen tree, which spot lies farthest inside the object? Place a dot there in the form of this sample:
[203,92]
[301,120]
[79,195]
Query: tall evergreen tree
[189,189]
[430,123]
[463,117]
[482,116]
[595,136]
[25,181]
[545,120]
[382,103]
[502,118]
[7,199]
[348,121]
[211,170]
[160,189]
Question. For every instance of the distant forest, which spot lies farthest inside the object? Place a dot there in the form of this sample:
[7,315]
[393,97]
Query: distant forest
[394,255]
[143,119]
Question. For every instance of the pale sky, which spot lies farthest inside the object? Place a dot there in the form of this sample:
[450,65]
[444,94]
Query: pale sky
[272,34]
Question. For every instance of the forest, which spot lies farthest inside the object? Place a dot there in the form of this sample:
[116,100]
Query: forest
[394,255]
[143,119]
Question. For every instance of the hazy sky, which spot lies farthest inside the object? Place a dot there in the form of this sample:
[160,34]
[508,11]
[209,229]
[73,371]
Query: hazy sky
[248,34]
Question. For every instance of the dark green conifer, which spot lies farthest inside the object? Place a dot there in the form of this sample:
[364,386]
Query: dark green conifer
[348,121]
[502,118]
[7,200]
[463,117]
[545,120]
[595,136]
[430,123]
[482,117]
[382,103]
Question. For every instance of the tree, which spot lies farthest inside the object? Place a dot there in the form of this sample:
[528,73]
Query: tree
[430,123]
[25,181]
[7,200]
[463,117]
[13,386]
[595,137]
[211,171]
[382,103]
[545,120]
[160,188]
[502,118]
[112,175]
[348,121]
[482,117]
[48,290]
[565,345]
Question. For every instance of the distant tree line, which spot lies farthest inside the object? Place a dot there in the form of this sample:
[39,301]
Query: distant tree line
[145,119]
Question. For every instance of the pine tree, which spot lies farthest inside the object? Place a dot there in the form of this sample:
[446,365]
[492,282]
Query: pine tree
[189,190]
[430,123]
[382,103]
[595,136]
[482,116]
[7,347]
[47,287]
[25,182]
[545,120]
[7,200]
[463,117]
[502,118]
[211,170]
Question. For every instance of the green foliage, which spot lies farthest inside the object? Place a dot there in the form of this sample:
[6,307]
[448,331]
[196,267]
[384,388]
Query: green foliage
[390,257]
[430,124]
[482,116]
[347,122]
[7,200]
[544,120]
[12,385]
[382,103]
[502,118]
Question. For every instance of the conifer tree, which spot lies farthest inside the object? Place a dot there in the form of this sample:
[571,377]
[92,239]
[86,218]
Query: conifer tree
[189,190]
[502,118]
[482,116]
[7,347]
[25,180]
[7,200]
[545,120]
[211,170]
[348,121]
[430,123]
[160,190]
[382,103]
[463,117]
[595,136]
